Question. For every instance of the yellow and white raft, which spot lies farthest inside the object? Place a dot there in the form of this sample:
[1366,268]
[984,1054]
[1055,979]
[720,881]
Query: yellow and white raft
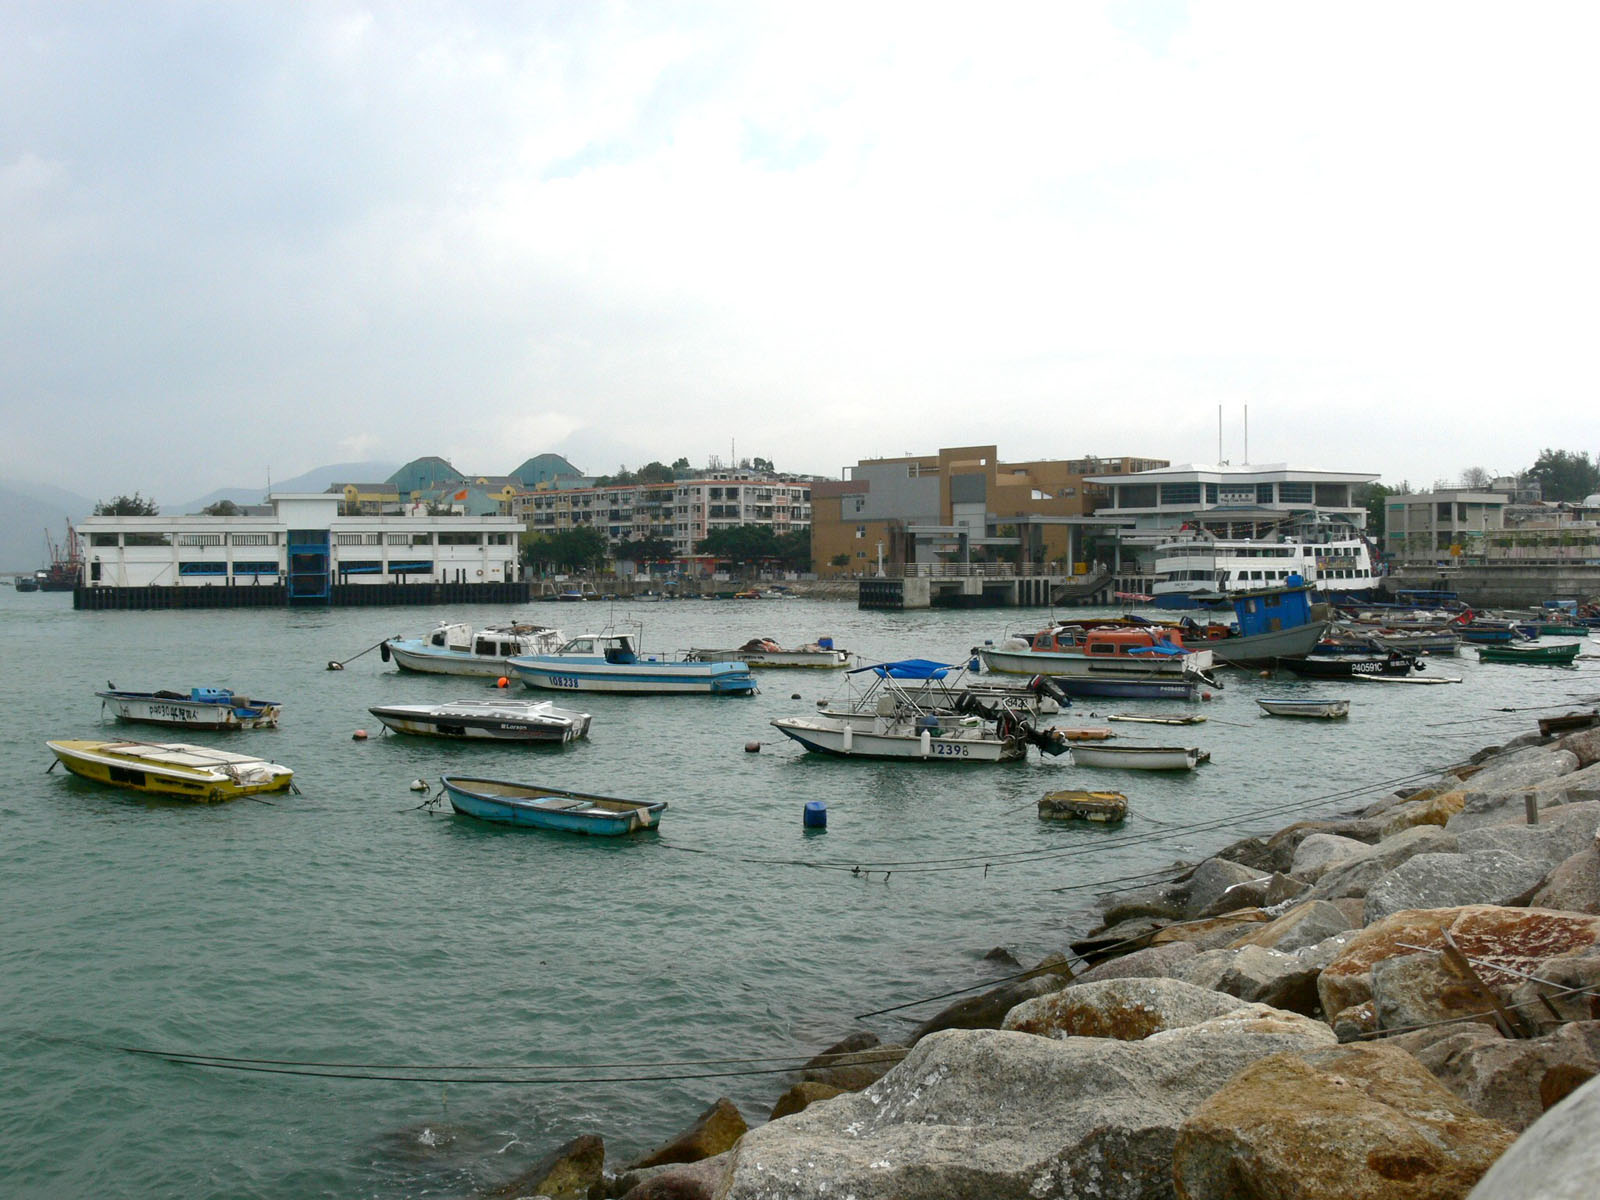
[196,773]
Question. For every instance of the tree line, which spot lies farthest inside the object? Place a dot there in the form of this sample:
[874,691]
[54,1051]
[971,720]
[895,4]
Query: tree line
[745,546]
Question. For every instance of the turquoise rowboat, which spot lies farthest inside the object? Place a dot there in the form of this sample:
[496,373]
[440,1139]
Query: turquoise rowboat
[536,807]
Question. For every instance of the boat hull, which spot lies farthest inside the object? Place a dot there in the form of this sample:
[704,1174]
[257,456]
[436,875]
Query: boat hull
[195,773]
[816,659]
[1127,687]
[484,723]
[1062,665]
[845,739]
[641,678]
[1542,656]
[1261,649]
[531,807]
[1347,666]
[413,656]
[1286,707]
[1138,758]
[175,709]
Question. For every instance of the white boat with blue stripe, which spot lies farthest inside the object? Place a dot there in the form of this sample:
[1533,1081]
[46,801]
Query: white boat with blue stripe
[611,662]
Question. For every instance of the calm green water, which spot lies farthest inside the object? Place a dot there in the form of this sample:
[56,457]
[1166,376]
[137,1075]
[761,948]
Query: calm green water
[344,925]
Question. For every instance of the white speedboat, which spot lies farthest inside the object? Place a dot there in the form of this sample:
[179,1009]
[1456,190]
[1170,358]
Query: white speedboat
[456,648]
[505,720]
[898,717]
[610,662]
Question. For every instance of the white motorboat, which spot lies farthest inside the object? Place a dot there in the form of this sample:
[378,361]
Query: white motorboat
[1286,706]
[610,662]
[897,716]
[1071,650]
[456,648]
[505,720]
[764,652]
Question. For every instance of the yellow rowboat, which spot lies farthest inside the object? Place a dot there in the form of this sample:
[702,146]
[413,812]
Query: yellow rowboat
[196,773]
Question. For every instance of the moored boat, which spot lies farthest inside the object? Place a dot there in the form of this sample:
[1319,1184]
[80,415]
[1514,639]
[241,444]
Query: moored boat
[897,717]
[1555,654]
[1125,686]
[1139,758]
[1390,663]
[1289,706]
[505,720]
[610,662]
[197,708]
[196,773]
[764,652]
[537,807]
[1077,805]
[1069,649]
[457,648]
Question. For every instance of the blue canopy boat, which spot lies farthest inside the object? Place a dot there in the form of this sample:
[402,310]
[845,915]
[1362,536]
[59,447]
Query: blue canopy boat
[539,807]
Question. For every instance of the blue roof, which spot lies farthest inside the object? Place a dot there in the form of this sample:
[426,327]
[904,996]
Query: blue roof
[908,668]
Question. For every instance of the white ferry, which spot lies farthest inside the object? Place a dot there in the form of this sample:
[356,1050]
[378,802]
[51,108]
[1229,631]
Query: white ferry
[1199,571]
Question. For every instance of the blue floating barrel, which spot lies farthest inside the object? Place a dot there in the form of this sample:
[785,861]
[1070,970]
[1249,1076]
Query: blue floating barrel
[816,815]
[825,643]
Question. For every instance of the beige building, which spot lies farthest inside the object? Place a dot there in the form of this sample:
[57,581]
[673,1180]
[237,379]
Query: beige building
[960,505]
[684,512]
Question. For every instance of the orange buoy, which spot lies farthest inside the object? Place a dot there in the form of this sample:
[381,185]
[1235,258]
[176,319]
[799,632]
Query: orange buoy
[359,735]
[502,682]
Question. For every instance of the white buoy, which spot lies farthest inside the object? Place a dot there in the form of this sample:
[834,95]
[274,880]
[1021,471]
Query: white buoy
[926,740]
[419,785]
[847,737]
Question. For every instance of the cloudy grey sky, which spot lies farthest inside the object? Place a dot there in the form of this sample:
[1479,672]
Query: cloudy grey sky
[242,239]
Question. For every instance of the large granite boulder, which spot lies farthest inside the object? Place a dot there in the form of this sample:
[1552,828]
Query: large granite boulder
[1583,745]
[1573,886]
[672,1181]
[1561,832]
[1127,1010]
[714,1131]
[1152,961]
[1520,939]
[1449,880]
[1352,877]
[851,1064]
[1496,807]
[1320,851]
[999,1115]
[987,1009]
[1513,1080]
[1349,1123]
[1303,925]
[568,1172]
[1187,896]
[1518,770]
[1557,1159]
[1254,973]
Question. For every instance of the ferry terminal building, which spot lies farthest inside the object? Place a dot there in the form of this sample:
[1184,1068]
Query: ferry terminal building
[303,552]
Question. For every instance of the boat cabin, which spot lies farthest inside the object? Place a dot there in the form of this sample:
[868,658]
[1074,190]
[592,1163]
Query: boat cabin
[1114,640]
[494,642]
[1272,609]
[614,648]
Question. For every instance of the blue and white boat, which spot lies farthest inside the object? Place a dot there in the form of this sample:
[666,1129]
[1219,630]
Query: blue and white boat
[457,648]
[196,708]
[536,807]
[611,662]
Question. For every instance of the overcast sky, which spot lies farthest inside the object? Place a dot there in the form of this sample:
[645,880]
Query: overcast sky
[242,240]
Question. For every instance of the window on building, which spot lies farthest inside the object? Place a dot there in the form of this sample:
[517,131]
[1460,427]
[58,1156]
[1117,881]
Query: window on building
[1180,493]
[1296,493]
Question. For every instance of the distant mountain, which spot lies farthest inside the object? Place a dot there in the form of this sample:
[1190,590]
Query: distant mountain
[27,511]
[317,480]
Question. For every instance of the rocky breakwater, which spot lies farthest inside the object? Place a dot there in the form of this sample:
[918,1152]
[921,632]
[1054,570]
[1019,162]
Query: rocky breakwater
[1401,1002]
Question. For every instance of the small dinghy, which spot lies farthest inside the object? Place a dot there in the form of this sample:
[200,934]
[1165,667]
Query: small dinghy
[1105,808]
[1285,706]
[1140,758]
[539,807]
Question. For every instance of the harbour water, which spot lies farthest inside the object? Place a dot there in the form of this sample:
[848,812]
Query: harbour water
[472,996]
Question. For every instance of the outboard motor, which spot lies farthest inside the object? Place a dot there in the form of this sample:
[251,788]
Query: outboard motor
[1043,685]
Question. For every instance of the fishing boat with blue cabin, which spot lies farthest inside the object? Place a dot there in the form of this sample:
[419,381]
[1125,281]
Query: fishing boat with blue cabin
[612,662]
